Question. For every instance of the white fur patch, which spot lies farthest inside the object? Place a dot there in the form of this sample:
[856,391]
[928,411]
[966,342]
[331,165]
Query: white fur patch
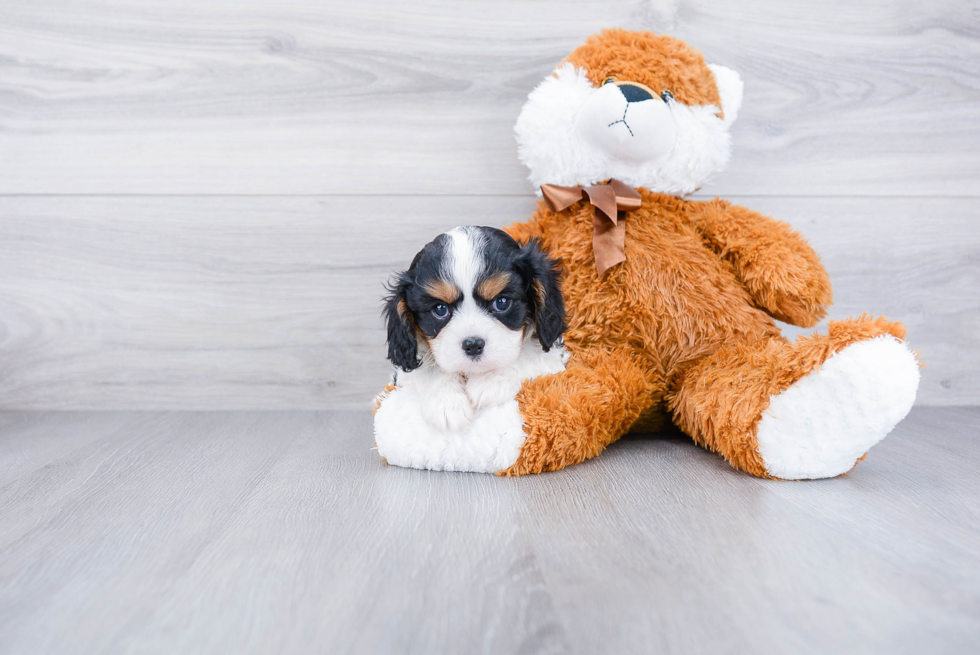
[640,132]
[497,387]
[552,145]
[821,425]
[730,89]
[464,259]
[488,442]
[444,403]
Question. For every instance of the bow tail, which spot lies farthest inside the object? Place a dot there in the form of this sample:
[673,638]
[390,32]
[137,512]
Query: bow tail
[608,242]
[608,227]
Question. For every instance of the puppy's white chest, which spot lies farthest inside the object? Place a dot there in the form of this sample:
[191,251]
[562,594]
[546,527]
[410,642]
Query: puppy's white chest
[446,422]
[497,387]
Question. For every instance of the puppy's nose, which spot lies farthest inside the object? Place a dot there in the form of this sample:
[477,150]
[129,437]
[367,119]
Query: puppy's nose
[473,346]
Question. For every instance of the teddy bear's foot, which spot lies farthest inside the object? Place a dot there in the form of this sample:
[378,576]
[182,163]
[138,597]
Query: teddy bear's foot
[822,424]
[489,443]
[802,410]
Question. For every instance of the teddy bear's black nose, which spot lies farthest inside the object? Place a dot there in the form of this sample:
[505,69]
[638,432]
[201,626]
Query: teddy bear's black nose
[634,93]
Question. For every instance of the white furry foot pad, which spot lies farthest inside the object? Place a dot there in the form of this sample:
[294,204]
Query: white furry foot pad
[822,424]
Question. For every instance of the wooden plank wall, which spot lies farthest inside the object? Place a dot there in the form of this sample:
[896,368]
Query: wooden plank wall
[199,202]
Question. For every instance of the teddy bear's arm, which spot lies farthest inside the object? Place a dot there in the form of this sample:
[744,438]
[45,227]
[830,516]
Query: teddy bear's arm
[776,265]
[573,415]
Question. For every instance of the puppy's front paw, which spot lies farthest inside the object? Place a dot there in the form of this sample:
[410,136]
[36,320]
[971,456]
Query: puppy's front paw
[448,409]
[492,389]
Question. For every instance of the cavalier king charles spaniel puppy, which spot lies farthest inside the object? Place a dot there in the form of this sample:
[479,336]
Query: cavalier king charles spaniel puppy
[474,316]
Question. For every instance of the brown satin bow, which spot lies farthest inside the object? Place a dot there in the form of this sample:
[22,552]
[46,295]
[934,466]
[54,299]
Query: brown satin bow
[608,229]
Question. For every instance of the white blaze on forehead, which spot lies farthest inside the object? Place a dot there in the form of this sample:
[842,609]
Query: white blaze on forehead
[464,263]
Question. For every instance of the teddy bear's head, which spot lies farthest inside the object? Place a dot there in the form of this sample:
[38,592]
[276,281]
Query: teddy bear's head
[636,106]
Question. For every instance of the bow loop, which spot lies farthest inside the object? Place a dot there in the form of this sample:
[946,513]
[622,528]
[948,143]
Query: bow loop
[603,198]
[608,229]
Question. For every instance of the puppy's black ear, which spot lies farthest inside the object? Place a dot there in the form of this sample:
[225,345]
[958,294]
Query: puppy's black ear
[403,350]
[542,278]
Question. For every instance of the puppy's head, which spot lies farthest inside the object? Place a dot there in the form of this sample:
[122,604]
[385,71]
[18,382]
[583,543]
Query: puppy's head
[469,299]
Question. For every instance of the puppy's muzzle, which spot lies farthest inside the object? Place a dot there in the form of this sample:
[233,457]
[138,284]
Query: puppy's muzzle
[473,346]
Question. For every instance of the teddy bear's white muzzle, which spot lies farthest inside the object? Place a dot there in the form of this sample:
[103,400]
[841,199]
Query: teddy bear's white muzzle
[637,132]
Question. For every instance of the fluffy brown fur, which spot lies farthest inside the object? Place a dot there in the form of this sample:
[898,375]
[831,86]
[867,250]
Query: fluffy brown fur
[662,63]
[682,329]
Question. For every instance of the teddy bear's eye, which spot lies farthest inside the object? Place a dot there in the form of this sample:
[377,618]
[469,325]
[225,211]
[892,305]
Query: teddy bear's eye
[666,95]
[608,80]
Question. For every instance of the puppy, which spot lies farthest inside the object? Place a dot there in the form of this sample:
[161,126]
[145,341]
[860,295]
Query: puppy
[474,316]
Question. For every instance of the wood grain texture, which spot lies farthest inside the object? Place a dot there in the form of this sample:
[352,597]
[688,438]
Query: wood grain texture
[274,303]
[260,532]
[830,566]
[345,135]
[164,97]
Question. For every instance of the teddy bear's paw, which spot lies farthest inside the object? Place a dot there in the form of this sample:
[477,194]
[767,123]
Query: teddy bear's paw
[822,424]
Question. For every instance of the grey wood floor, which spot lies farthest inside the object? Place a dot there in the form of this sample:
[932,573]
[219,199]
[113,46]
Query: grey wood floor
[262,532]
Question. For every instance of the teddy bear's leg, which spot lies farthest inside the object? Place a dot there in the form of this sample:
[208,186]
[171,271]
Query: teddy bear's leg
[804,410]
[573,415]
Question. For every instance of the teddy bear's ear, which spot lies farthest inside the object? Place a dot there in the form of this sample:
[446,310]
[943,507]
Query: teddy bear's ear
[730,89]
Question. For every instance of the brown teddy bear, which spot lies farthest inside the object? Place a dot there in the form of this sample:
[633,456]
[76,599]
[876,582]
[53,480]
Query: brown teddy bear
[676,322]
[670,302]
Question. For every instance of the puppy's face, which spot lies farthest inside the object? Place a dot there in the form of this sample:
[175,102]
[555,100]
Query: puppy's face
[470,297]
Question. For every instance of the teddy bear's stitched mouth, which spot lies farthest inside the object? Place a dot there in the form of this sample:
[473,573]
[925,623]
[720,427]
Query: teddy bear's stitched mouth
[623,120]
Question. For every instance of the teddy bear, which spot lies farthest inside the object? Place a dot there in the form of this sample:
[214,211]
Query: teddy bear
[671,302]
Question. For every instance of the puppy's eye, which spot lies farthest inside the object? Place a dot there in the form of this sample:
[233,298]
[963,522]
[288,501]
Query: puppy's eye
[608,80]
[666,95]
[501,304]
[440,311]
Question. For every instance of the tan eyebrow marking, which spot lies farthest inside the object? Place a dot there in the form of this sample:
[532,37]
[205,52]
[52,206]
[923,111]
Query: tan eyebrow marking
[493,285]
[442,290]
